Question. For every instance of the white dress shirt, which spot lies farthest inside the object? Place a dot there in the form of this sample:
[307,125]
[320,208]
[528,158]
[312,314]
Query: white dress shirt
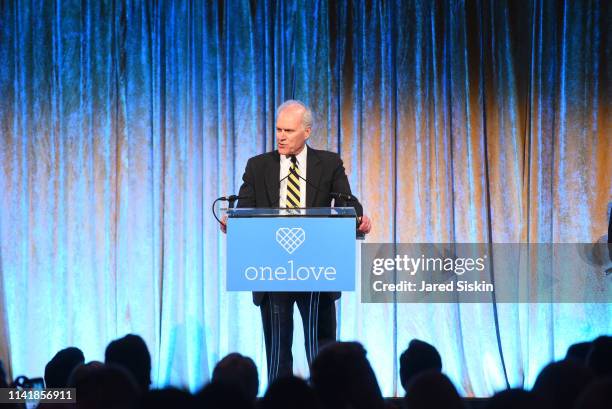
[285,165]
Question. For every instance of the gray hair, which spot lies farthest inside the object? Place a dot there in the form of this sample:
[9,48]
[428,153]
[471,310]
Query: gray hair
[306,118]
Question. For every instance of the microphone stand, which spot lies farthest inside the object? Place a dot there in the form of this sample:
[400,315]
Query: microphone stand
[230,199]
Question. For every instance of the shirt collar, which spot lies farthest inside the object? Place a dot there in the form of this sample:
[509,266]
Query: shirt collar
[301,157]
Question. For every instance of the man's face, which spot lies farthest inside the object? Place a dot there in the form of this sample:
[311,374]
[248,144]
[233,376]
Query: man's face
[290,132]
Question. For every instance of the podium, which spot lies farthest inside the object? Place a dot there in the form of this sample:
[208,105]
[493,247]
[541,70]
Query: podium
[274,249]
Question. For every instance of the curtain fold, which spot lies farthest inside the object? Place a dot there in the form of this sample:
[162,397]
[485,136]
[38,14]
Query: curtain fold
[122,121]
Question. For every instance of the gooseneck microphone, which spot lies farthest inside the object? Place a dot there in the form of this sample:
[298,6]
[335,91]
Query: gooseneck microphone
[346,197]
[336,195]
[276,202]
[230,199]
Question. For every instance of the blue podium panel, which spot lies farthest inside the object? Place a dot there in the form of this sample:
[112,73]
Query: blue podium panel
[291,253]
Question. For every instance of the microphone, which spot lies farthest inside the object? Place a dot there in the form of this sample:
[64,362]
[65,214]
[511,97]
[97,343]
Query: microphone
[346,197]
[276,202]
[342,196]
[230,199]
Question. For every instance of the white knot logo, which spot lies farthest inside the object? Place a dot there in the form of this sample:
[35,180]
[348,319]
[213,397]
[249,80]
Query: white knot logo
[290,238]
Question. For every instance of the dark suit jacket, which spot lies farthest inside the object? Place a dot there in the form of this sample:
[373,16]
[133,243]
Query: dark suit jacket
[261,185]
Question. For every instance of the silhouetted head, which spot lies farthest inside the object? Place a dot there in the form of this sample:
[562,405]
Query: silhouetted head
[289,392]
[131,352]
[81,371]
[419,357]
[240,371]
[106,387]
[600,357]
[560,383]
[432,390]
[342,377]
[514,399]
[165,399]
[598,395]
[61,365]
[219,395]
[579,352]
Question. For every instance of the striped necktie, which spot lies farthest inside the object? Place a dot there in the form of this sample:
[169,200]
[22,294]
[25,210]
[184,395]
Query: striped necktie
[293,185]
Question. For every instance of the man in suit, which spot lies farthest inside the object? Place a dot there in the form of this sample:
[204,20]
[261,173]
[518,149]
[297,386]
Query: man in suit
[295,175]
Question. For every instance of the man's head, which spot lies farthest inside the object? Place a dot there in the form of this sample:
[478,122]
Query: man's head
[240,371]
[132,353]
[579,352]
[600,356]
[106,386]
[432,389]
[560,383]
[293,126]
[419,357]
[59,368]
[289,392]
[342,377]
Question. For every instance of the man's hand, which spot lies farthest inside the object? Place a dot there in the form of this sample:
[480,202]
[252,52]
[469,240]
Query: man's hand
[223,225]
[366,225]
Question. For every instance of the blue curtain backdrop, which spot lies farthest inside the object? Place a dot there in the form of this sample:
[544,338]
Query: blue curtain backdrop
[121,121]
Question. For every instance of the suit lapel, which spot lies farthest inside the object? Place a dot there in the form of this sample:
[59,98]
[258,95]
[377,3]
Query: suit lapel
[272,178]
[313,175]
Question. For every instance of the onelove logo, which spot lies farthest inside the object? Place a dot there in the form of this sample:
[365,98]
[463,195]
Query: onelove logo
[290,239]
[291,253]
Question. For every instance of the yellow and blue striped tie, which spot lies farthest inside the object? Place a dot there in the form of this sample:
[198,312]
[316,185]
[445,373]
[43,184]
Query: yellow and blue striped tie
[293,185]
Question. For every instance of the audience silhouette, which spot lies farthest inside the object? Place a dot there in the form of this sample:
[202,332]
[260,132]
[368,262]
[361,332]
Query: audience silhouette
[166,399]
[239,371]
[220,395]
[599,359]
[61,365]
[341,378]
[418,358]
[106,387]
[289,393]
[514,399]
[560,383]
[579,352]
[598,395]
[432,390]
[81,371]
[132,353]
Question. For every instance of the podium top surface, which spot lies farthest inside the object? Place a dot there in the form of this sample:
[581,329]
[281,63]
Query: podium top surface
[293,212]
